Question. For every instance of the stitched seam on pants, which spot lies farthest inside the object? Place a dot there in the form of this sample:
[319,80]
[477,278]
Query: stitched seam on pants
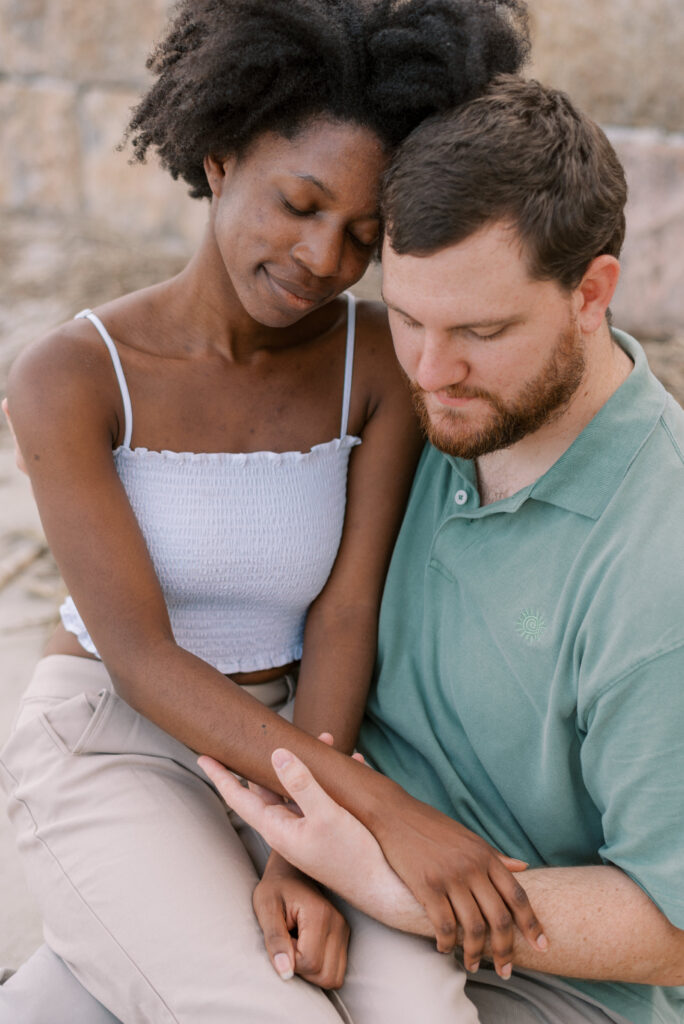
[90,910]
[5,768]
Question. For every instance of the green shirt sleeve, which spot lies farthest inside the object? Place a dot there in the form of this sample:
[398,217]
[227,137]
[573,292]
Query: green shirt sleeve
[633,765]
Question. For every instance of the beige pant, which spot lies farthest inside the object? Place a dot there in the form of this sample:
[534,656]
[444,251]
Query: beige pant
[144,879]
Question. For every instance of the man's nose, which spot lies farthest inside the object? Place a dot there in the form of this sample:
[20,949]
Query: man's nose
[319,250]
[440,363]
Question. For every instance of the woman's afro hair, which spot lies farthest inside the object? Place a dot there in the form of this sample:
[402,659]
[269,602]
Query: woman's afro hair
[228,70]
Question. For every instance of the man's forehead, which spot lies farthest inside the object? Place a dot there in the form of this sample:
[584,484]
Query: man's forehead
[486,267]
[497,236]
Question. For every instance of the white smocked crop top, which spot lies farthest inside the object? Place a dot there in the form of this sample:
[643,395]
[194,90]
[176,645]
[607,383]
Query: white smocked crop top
[241,543]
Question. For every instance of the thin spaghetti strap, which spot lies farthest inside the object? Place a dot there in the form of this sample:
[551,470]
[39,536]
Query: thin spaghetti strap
[348,361]
[87,314]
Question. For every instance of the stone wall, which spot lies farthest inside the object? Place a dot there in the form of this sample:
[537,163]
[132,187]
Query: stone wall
[621,60]
[70,70]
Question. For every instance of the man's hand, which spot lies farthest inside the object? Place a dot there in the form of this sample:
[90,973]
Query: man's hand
[285,902]
[323,840]
[328,843]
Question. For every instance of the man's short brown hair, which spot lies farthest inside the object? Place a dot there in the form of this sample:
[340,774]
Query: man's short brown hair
[523,154]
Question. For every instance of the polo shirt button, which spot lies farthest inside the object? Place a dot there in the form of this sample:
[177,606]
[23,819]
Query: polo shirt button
[460,497]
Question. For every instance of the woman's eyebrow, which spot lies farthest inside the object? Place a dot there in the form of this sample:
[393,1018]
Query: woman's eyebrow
[317,182]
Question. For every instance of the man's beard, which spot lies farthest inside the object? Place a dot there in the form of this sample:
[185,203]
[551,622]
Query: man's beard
[540,401]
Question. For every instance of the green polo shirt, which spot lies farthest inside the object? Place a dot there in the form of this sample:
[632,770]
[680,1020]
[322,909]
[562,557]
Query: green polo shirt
[530,675]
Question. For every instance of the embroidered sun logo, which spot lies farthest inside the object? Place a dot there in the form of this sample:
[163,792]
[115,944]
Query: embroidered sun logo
[530,625]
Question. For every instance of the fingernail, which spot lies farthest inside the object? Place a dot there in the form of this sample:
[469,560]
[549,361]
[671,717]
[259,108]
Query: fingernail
[474,968]
[281,962]
[542,942]
[281,758]
[506,971]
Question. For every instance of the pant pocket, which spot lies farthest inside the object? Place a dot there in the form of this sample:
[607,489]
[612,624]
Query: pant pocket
[75,724]
[103,723]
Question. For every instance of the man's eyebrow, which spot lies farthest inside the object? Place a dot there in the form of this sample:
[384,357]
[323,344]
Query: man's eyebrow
[395,308]
[486,322]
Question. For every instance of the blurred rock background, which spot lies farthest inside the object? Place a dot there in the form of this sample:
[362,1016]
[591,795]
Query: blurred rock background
[79,225]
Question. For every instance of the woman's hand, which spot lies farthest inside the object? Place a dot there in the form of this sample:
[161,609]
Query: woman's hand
[465,886]
[285,901]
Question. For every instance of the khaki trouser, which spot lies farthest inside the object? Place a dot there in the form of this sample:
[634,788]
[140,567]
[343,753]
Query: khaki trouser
[144,878]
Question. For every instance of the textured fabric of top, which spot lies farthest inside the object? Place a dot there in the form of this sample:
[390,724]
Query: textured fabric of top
[530,676]
[241,543]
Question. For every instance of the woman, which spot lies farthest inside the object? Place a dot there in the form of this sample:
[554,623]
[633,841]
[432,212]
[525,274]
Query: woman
[188,448]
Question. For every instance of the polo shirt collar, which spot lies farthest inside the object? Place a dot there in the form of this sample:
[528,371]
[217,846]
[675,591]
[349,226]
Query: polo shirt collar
[586,476]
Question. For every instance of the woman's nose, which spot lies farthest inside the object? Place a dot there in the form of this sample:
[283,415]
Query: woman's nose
[319,250]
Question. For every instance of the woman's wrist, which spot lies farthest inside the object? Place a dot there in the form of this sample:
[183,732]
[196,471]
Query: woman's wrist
[379,803]
[278,867]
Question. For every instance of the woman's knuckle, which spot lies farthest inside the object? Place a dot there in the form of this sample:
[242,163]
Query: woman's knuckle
[308,964]
[446,927]
[503,951]
[433,882]
[477,931]
[335,981]
[504,921]
[519,896]
[260,902]
[532,924]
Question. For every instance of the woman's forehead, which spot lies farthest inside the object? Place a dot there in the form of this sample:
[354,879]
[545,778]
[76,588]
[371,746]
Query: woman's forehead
[329,157]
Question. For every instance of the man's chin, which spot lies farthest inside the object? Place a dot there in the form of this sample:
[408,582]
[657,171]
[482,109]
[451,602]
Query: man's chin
[458,446]
[451,435]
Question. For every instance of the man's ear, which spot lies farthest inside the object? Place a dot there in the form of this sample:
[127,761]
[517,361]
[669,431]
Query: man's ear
[217,170]
[595,292]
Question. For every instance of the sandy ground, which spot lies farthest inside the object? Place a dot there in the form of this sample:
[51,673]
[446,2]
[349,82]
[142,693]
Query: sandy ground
[44,278]
[29,594]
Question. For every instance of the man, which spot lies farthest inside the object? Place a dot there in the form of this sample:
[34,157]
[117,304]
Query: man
[531,648]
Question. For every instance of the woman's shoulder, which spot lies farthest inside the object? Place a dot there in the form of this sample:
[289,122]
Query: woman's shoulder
[70,350]
[66,375]
[75,352]
[374,351]
[371,321]
[379,385]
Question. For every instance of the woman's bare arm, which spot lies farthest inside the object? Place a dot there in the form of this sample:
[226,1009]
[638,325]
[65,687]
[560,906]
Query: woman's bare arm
[341,629]
[63,404]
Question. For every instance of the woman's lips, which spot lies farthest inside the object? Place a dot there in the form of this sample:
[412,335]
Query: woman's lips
[294,294]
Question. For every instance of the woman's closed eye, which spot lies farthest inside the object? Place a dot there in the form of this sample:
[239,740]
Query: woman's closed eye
[362,244]
[297,211]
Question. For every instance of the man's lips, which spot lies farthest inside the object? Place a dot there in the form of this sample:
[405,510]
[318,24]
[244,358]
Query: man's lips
[457,399]
[297,292]
[454,401]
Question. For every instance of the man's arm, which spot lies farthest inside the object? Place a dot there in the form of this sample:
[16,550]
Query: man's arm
[601,925]
[598,922]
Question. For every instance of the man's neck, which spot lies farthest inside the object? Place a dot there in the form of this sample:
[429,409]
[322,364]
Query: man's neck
[505,472]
